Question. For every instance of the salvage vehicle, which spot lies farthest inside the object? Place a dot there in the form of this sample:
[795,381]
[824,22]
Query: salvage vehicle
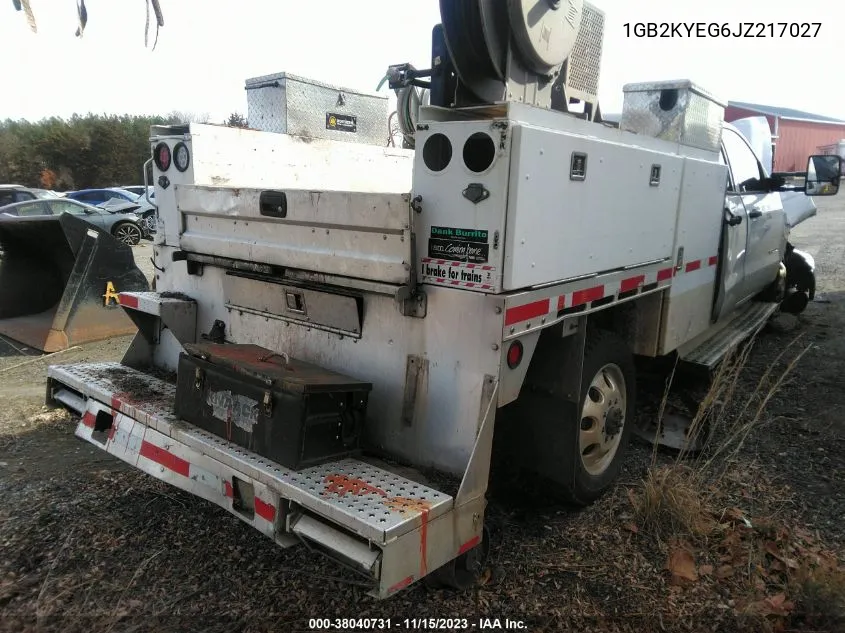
[340,329]
[121,222]
[117,195]
[9,194]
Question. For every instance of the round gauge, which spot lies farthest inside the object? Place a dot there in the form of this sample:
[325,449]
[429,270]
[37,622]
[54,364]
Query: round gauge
[181,156]
[161,155]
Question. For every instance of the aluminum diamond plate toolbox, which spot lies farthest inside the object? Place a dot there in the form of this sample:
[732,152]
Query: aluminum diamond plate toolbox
[677,111]
[287,104]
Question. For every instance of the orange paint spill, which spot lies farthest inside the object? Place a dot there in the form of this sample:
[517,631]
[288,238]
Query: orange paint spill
[342,485]
[423,507]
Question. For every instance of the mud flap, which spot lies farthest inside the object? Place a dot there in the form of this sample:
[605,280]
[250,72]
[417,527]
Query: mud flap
[59,281]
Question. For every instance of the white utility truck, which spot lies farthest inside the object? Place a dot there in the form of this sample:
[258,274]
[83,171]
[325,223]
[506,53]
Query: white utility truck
[339,328]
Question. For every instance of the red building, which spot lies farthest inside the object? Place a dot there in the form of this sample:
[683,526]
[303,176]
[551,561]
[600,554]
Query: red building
[795,134]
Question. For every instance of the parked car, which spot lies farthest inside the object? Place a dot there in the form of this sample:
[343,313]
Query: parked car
[149,215]
[46,193]
[139,190]
[10,194]
[125,226]
[98,196]
[113,195]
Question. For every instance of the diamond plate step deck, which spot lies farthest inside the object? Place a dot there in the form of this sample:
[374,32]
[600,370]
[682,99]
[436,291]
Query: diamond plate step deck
[706,352]
[374,503]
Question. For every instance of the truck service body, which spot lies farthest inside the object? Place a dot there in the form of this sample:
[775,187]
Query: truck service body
[497,279]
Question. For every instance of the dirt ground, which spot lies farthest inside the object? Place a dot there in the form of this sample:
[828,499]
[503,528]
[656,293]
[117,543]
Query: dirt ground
[88,544]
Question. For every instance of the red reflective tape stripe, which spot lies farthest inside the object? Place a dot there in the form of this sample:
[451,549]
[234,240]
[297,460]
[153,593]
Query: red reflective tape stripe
[112,430]
[228,490]
[528,311]
[265,510]
[88,419]
[401,584]
[663,275]
[165,458]
[128,300]
[115,404]
[561,302]
[692,266]
[632,284]
[585,296]
[713,261]
[469,545]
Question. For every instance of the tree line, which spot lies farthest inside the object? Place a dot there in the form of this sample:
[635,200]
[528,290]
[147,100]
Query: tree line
[83,152]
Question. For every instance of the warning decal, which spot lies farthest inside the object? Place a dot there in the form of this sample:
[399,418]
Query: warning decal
[459,274]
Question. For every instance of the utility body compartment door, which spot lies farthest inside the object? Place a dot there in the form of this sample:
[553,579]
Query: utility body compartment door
[350,234]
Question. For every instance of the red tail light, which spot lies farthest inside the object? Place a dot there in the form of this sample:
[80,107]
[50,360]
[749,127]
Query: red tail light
[161,156]
[515,354]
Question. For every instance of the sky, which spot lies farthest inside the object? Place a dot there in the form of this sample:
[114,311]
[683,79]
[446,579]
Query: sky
[207,48]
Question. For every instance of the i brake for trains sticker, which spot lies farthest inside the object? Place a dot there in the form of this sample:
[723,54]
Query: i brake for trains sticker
[459,245]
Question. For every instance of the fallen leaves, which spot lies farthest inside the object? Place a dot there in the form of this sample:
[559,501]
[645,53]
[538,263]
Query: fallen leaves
[681,565]
[776,605]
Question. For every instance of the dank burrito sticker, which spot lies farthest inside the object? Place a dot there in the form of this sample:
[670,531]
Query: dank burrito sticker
[458,245]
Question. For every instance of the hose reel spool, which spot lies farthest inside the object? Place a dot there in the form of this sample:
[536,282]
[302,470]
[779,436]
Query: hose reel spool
[408,102]
[545,53]
[494,42]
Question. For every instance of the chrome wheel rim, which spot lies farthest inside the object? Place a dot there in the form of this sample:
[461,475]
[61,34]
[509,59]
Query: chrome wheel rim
[128,234]
[602,419]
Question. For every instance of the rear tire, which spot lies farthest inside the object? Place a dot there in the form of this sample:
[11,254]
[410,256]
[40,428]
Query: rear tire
[128,233]
[601,433]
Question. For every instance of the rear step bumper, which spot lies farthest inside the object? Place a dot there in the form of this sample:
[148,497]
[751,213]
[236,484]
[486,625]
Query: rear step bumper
[389,528]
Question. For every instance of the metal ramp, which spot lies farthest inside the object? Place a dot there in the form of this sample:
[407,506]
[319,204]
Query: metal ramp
[705,352]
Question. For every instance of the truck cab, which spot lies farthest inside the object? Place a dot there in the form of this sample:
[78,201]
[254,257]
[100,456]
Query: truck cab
[755,228]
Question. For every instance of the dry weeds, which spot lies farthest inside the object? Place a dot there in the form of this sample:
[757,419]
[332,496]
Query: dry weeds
[778,577]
